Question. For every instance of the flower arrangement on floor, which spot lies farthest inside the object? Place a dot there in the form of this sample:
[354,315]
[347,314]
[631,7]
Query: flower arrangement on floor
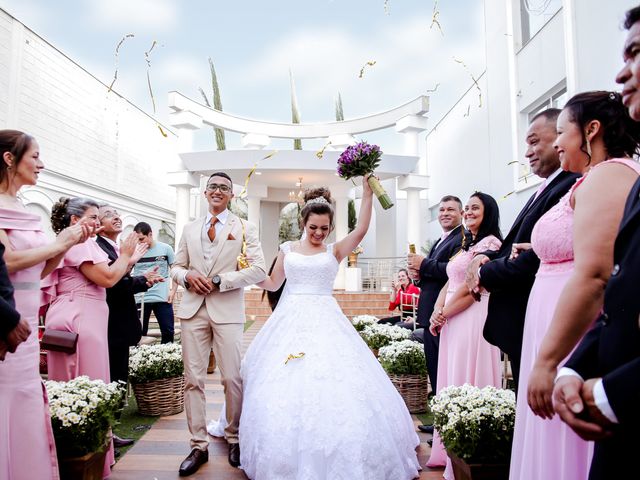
[405,357]
[362,159]
[156,373]
[361,321]
[475,424]
[380,334]
[82,412]
[154,362]
[405,364]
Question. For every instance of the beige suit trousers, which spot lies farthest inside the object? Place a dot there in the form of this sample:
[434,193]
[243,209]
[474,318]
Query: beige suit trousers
[199,334]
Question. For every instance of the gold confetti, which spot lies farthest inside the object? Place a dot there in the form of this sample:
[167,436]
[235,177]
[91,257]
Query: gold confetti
[464,65]
[115,74]
[468,110]
[164,134]
[320,153]
[292,356]
[243,193]
[147,59]
[370,63]
[435,18]
[504,197]
[431,90]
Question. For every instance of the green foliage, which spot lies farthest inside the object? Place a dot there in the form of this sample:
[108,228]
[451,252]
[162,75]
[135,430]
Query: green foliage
[380,335]
[339,111]
[295,112]
[217,104]
[289,228]
[353,219]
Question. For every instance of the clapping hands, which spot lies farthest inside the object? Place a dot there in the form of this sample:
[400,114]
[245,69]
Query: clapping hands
[152,276]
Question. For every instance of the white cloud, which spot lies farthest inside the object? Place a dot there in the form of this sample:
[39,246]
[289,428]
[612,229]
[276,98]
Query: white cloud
[133,15]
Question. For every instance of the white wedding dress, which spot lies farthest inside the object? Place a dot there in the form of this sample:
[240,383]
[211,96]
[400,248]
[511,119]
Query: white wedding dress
[331,414]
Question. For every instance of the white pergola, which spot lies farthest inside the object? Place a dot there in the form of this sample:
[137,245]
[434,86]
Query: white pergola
[275,177]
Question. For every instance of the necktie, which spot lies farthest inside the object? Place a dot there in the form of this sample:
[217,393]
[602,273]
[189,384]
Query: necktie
[211,233]
[540,189]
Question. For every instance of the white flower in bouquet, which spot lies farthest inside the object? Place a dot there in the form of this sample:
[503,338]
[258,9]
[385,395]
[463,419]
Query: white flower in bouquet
[82,411]
[378,335]
[404,357]
[475,423]
[361,321]
[154,362]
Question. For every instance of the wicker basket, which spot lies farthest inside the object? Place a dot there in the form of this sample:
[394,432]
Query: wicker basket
[160,397]
[414,391]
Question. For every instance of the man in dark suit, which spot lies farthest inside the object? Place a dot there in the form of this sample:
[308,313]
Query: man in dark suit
[431,271]
[125,328]
[597,393]
[510,281]
[13,328]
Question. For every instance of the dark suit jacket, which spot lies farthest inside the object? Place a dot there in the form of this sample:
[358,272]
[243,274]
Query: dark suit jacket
[124,324]
[9,316]
[611,350]
[510,281]
[433,273]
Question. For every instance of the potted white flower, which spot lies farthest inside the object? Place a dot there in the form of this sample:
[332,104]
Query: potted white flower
[406,366]
[476,428]
[156,373]
[83,411]
[379,335]
[361,321]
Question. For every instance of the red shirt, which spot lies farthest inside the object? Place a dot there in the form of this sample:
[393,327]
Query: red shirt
[404,297]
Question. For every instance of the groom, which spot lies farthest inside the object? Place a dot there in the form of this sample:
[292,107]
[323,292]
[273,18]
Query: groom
[211,312]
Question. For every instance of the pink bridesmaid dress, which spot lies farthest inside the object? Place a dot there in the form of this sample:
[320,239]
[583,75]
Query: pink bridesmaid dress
[465,356]
[27,446]
[544,449]
[79,305]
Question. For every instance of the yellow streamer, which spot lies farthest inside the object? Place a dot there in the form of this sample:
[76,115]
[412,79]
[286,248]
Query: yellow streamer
[320,153]
[292,356]
[242,260]
[434,18]
[370,63]
[115,74]
[464,65]
[243,193]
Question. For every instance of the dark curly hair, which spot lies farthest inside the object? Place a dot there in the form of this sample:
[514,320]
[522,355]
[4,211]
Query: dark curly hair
[16,143]
[64,208]
[490,221]
[317,207]
[621,134]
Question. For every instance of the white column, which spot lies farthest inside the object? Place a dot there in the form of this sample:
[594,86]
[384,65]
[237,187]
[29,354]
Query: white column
[414,218]
[410,126]
[183,201]
[253,211]
[342,230]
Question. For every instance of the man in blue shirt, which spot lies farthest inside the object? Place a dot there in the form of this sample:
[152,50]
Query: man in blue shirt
[158,299]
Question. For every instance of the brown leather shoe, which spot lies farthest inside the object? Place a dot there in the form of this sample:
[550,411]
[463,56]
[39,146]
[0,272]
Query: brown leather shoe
[192,463]
[234,454]
[212,363]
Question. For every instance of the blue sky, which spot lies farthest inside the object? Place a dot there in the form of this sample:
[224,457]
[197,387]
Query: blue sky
[254,43]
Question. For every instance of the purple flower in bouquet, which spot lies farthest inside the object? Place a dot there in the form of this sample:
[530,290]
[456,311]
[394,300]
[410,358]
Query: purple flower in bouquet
[360,160]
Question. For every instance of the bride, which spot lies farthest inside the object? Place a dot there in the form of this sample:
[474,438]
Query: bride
[316,402]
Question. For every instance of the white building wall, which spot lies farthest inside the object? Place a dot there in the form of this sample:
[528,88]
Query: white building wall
[578,49]
[93,142]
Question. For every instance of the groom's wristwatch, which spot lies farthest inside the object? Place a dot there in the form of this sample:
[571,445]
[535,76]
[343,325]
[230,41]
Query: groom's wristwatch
[216,280]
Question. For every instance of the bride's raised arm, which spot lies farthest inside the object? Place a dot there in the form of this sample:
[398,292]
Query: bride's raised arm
[351,241]
[275,280]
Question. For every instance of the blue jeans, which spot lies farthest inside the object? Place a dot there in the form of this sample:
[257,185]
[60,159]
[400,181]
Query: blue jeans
[164,314]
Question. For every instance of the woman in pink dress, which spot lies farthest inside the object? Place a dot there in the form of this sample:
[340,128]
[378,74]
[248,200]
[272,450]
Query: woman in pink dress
[76,290]
[27,448]
[574,240]
[465,356]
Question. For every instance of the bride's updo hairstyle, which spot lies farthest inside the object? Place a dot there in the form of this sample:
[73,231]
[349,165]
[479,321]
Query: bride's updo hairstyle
[64,208]
[318,201]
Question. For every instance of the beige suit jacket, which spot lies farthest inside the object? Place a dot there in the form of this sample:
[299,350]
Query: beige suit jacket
[225,305]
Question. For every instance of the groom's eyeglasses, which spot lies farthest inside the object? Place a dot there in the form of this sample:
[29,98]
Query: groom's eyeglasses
[212,187]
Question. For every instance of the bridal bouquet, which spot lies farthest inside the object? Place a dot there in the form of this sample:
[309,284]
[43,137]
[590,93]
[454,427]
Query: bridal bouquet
[379,335]
[361,321]
[405,357]
[82,411]
[476,424]
[154,362]
[362,159]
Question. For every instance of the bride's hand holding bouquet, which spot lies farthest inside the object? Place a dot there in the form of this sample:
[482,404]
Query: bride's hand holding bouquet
[360,160]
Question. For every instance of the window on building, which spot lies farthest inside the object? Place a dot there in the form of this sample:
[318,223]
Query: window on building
[534,14]
[555,100]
